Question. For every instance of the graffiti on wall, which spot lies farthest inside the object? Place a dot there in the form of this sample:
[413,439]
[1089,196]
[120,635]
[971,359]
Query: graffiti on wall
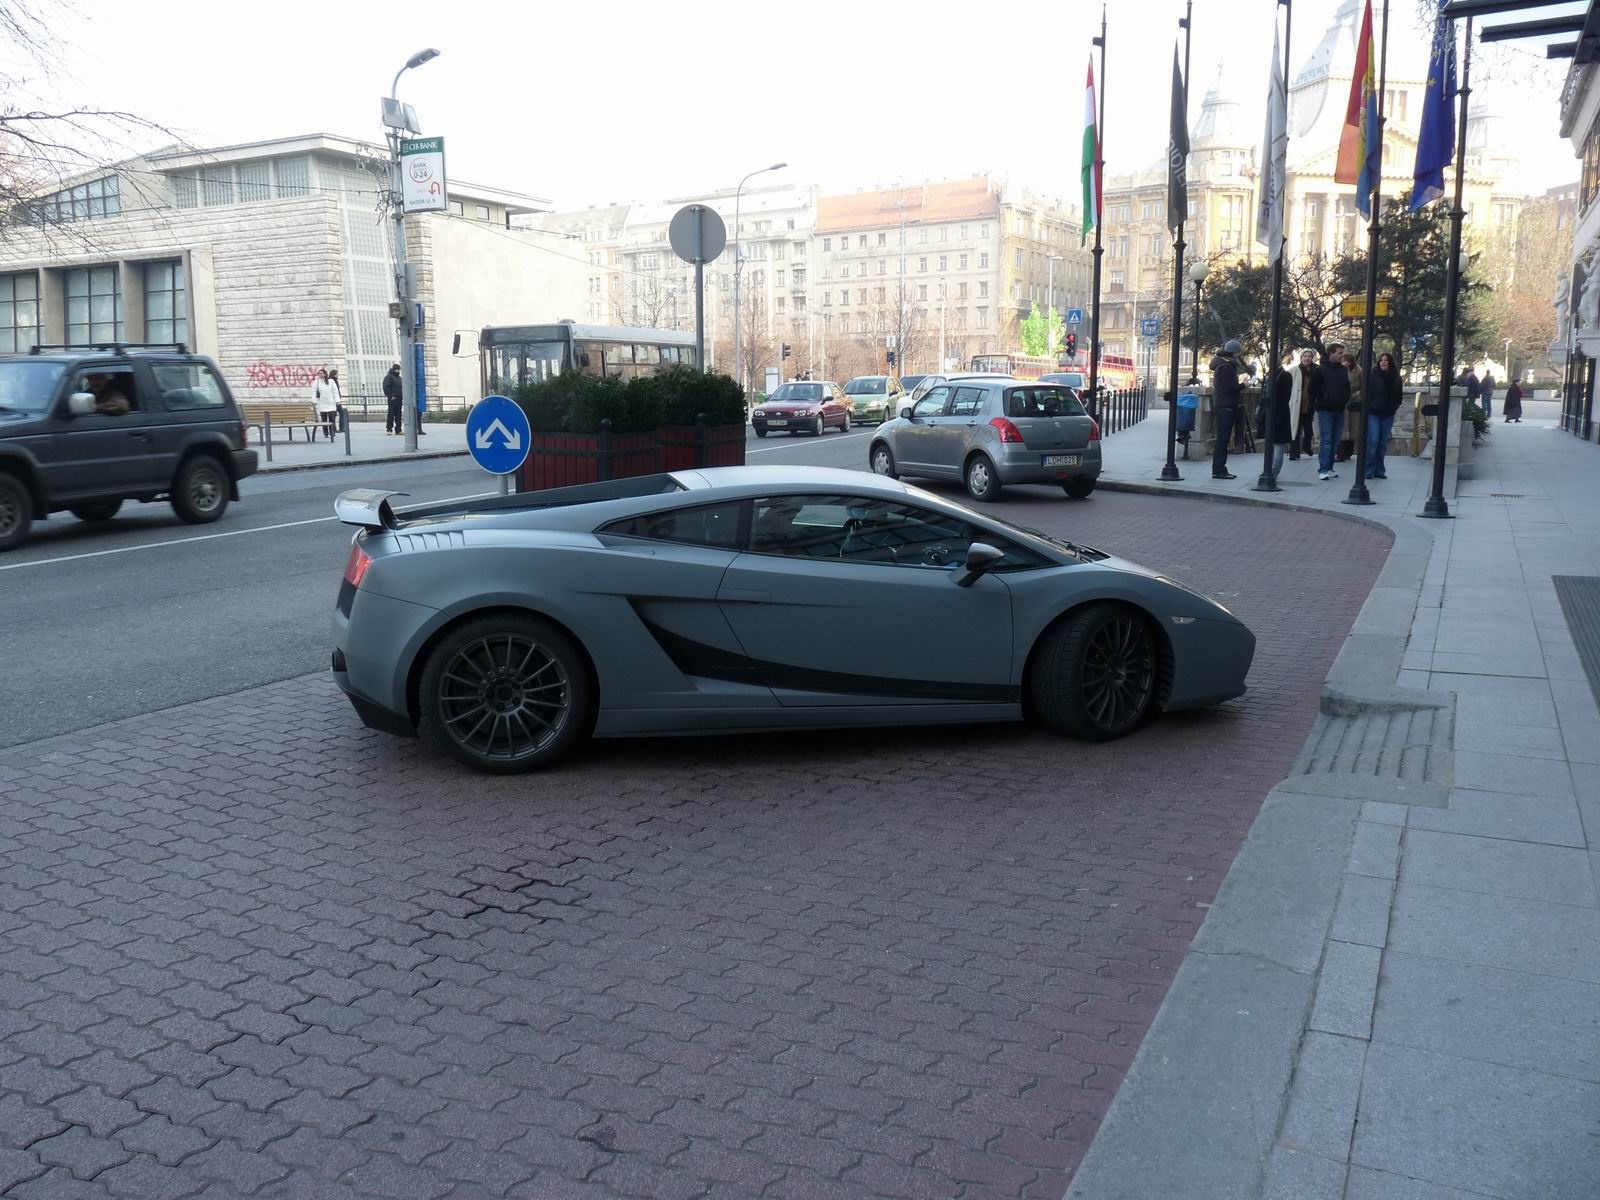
[280,375]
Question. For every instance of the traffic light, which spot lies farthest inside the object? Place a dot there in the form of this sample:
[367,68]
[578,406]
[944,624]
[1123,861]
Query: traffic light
[891,358]
[1072,344]
[786,349]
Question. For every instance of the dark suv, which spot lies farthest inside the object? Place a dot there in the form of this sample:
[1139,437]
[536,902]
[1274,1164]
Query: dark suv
[83,429]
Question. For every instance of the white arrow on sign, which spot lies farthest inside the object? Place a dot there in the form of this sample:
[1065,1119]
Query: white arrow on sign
[513,440]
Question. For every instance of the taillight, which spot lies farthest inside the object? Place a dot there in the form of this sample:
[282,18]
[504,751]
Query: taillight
[355,568]
[244,433]
[1094,430]
[1008,431]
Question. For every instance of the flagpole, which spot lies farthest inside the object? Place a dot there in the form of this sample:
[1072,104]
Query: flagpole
[1169,470]
[1269,478]
[1358,486]
[1436,505]
[1099,216]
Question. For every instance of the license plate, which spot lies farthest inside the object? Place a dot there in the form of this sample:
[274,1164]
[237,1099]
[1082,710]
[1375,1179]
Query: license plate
[1062,460]
[770,421]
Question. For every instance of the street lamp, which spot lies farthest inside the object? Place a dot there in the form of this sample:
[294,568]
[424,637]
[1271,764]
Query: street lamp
[738,269]
[1197,275]
[1050,308]
[396,119]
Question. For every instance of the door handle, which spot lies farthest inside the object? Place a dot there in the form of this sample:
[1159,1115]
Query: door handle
[141,434]
[744,596]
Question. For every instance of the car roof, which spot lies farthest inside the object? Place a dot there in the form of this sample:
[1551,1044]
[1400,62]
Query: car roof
[761,479]
[853,378]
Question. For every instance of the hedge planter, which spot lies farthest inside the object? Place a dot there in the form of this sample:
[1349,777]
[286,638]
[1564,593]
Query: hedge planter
[563,459]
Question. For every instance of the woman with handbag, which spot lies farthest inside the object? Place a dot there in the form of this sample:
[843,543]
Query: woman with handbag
[326,395]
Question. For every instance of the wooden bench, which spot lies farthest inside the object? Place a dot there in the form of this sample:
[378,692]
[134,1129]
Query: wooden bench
[285,414]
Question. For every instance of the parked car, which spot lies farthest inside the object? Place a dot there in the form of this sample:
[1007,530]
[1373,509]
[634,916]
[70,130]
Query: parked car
[751,599]
[926,383]
[802,407]
[86,430]
[987,431]
[1076,380]
[873,398]
[909,382]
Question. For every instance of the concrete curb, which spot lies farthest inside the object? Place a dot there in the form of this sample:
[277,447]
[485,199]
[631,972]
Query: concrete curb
[266,468]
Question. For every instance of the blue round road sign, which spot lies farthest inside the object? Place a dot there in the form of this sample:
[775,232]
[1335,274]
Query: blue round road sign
[498,436]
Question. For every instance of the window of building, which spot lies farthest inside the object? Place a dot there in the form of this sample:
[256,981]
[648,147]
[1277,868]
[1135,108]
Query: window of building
[791,222]
[861,241]
[87,202]
[883,239]
[983,316]
[255,181]
[861,295]
[799,278]
[861,324]
[94,306]
[778,303]
[880,295]
[961,291]
[1019,258]
[944,233]
[963,263]
[983,261]
[944,262]
[778,251]
[19,312]
[861,269]
[922,235]
[827,244]
[166,302]
[827,299]
[922,291]
[963,233]
[459,210]
[482,211]
[983,287]
[844,295]
[1116,279]
[883,267]
[779,279]
[922,264]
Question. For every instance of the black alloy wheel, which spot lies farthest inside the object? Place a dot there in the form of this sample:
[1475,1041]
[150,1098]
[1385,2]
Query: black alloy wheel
[1094,674]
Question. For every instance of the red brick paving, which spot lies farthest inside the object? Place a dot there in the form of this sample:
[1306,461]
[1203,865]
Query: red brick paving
[247,943]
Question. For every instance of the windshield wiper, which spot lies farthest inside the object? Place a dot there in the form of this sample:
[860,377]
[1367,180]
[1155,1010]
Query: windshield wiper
[13,409]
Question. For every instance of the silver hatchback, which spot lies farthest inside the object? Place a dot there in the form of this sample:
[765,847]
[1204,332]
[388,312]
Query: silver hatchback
[991,431]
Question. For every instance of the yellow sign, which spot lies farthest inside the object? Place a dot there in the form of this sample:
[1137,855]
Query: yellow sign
[1356,306]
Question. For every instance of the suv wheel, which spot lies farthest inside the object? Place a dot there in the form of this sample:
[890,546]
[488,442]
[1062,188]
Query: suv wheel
[200,491]
[96,510]
[16,512]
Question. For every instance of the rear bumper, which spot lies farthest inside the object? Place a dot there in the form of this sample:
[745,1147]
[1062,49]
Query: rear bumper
[1018,464]
[373,715]
[244,463]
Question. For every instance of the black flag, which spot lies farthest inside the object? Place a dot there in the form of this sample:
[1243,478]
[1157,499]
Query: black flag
[1178,152]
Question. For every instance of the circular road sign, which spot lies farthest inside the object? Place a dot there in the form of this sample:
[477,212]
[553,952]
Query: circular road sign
[498,435]
[697,233]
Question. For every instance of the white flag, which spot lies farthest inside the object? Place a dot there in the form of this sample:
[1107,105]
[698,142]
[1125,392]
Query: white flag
[1274,161]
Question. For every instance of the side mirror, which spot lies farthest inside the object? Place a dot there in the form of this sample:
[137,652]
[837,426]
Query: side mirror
[80,404]
[905,414]
[455,345]
[981,557]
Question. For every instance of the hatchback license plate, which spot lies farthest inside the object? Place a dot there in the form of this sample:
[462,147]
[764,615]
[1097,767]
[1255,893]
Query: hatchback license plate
[1062,460]
[770,421]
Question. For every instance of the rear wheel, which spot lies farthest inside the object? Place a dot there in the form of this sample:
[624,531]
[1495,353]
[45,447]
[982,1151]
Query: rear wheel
[505,694]
[1093,675]
[97,510]
[882,460]
[844,427]
[200,491]
[1078,489]
[982,482]
[16,512]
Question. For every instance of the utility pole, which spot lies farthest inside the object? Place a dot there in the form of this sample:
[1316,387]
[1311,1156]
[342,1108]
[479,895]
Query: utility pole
[396,120]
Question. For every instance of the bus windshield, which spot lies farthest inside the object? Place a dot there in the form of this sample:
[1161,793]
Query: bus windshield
[516,363]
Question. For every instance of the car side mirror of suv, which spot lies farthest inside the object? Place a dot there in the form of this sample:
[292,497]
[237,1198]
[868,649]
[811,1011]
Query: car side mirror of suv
[81,404]
[981,557]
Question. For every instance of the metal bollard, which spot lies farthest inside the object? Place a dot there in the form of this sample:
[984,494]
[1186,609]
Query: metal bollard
[603,455]
[266,433]
[346,424]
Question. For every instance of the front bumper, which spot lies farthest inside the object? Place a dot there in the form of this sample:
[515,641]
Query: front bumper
[1018,464]
[788,424]
[1211,659]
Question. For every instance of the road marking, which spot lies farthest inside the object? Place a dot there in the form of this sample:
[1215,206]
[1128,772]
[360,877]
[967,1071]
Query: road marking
[204,537]
[816,441]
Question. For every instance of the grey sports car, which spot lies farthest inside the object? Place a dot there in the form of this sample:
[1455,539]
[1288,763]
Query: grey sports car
[751,598]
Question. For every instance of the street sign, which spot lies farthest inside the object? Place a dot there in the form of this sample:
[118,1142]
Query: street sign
[498,435]
[1356,306]
[698,235]
[1074,316]
[422,180]
[1150,327]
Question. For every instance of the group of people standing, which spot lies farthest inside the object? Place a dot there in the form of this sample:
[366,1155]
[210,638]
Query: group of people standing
[1482,391]
[325,394]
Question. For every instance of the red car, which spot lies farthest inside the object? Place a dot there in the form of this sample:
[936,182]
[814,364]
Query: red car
[802,408]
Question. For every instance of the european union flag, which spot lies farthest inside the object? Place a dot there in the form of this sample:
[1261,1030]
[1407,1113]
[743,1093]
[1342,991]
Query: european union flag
[1436,144]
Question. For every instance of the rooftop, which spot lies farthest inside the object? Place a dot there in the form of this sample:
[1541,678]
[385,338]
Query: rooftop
[952,200]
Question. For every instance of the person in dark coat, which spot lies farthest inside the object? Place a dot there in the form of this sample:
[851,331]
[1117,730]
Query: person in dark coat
[1283,391]
[1330,405]
[1486,395]
[393,392]
[1381,408]
[1227,394]
[1511,406]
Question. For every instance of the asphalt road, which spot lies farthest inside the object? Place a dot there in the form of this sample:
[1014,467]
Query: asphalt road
[104,622]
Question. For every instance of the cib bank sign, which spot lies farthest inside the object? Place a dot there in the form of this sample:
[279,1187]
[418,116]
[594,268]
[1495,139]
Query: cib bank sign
[422,181]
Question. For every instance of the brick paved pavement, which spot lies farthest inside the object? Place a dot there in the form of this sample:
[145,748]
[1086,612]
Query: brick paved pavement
[248,948]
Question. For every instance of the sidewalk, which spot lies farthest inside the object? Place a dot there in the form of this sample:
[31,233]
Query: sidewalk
[1397,991]
[368,443]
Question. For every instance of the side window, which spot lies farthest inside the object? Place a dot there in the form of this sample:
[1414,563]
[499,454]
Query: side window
[861,529]
[715,525]
[187,386]
[932,405]
[112,387]
[967,402]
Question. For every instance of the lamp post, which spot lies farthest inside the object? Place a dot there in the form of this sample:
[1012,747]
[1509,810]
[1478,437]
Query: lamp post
[738,269]
[395,120]
[1050,308]
[1197,276]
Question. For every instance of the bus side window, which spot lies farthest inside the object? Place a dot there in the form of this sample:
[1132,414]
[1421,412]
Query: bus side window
[647,356]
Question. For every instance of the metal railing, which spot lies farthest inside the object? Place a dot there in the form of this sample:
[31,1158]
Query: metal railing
[366,406]
[1117,410]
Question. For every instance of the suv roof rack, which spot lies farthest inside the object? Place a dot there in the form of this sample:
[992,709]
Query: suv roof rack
[114,347]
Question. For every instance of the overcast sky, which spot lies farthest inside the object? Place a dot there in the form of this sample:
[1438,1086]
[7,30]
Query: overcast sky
[592,103]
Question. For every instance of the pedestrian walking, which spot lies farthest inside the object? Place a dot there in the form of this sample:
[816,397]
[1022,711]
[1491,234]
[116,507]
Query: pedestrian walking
[1469,380]
[1226,395]
[1488,393]
[1381,408]
[1511,410]
[325,394]
[394,393]
[340,418]
[1330,404]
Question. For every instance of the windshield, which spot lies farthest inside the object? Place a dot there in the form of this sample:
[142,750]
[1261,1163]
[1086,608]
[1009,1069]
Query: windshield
[28,386]
[798,391]
[869,385]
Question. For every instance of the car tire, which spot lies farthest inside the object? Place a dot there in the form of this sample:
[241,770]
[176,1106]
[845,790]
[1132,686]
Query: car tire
[96,510]
[482,651]
[761,433]
[980,477]
[1078,489]
[1093,675]
[881,460]
[200,490]
[844,427]
[818,428]
[16,512]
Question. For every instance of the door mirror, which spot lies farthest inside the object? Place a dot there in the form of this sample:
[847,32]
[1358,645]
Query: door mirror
[455,346]
[905,414]
[80,404]
[981,557]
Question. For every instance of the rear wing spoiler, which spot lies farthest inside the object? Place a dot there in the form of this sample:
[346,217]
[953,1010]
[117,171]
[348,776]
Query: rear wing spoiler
[368,508]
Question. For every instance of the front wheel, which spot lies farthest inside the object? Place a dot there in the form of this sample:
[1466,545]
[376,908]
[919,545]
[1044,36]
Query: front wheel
[1078,489]
[505,694]
[16,512]
[882,460]
[982,482]
[96,510]
[761,433]
[200,491]
[816,429]
[1093,675]
[845,428]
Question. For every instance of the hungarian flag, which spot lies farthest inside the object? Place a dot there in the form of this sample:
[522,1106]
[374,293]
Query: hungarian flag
[1360,143]
[1091,156]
